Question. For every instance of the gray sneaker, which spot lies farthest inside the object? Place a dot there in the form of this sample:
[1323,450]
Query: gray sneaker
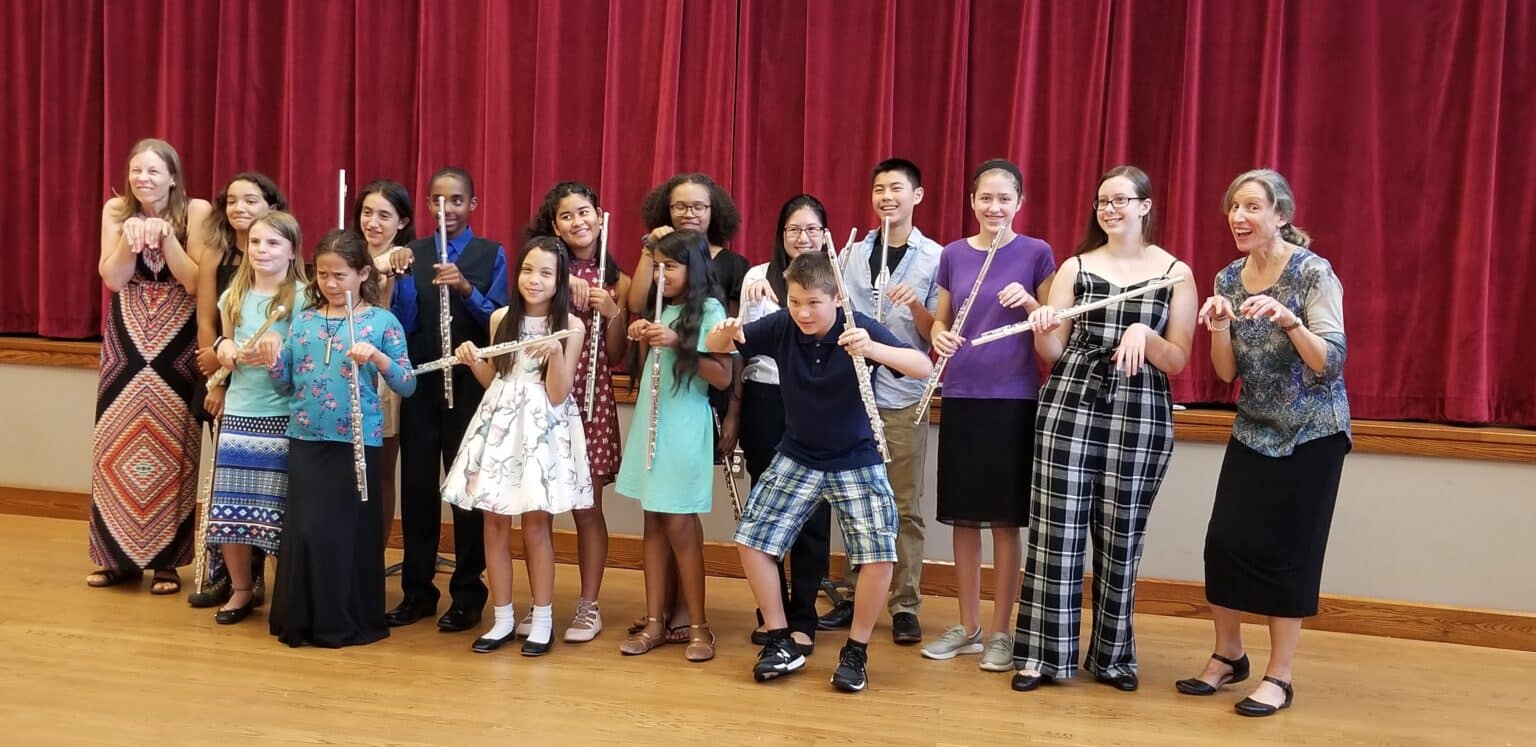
[999,654]
[954,641]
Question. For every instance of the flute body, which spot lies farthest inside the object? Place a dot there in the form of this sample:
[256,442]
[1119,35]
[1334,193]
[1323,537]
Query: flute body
[1018,328]
[492,351]
[204,505]
[965,310]
[597,321]
[444,312]
[276,313]
[650,451]
[860,368]
[359,453]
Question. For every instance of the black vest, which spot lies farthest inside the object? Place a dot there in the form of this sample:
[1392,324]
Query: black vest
[477,263]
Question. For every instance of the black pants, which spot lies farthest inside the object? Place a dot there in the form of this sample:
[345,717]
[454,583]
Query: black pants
[762,427]
[430,434]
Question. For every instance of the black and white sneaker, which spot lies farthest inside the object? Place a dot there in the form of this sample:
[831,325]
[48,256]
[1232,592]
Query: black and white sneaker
[850,676]
[779,657]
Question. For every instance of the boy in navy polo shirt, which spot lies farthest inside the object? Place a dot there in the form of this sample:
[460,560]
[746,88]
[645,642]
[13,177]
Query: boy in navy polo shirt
[828,452]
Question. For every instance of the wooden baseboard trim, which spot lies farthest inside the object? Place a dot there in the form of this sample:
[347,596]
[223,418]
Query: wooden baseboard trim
[1339,614]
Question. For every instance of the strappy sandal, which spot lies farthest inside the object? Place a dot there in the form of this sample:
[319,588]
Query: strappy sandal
[641,641]
[700,648]
[165,582]
[111,577]
[1197,686]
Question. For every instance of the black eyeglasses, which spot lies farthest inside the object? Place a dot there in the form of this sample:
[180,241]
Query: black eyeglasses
[684,208]
[811,232]
[1118,201]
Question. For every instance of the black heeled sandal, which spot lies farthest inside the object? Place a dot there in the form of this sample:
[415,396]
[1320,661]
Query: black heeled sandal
[1251,707]
[1197,686]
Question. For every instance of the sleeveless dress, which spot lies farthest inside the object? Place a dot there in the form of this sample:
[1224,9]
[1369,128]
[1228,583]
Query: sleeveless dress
[1102,445]
[522,452]
[145,448]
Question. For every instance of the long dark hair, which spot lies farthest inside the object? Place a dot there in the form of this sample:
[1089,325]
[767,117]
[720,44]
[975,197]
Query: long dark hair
[398,197]
[690,249]
[1094,237]
[354,251]
[543,223]
[511,327]
[780,262]
[724,218]
[221,233]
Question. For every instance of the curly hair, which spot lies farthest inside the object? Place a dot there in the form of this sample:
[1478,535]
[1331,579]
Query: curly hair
[221,234]
[724,218]
[690,249]
[543,222]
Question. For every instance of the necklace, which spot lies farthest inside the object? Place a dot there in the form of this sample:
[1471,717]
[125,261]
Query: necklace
[330,335]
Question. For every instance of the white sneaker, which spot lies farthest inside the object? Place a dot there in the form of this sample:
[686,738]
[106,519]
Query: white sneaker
[952,642]
[585,624]
[999,654]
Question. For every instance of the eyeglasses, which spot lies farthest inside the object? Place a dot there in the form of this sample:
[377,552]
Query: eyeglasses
[684,208]
[1117,202]
[811,232]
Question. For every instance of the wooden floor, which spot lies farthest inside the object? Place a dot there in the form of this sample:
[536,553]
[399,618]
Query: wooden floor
[119,666]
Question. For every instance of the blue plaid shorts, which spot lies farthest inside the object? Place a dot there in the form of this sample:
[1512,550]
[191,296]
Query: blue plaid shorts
[784,498]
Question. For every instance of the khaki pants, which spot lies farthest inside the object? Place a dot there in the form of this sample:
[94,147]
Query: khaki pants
[908,445]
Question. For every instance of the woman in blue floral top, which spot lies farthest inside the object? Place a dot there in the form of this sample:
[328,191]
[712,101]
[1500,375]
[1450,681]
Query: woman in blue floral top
[1277,322]
[330,583]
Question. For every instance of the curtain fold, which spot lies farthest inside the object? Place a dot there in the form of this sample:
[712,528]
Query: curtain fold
[1403,128]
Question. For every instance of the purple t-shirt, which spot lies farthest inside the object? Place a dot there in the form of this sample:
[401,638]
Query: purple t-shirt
[1004,369]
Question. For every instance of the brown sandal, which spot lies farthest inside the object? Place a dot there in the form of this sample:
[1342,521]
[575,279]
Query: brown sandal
[701,643]
[641,641]
[165,582]
[111,577]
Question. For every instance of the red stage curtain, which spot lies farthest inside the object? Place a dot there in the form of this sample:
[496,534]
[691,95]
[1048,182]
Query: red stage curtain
[1403,127]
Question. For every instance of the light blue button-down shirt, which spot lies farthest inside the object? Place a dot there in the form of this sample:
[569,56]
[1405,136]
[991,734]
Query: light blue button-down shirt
[916,270]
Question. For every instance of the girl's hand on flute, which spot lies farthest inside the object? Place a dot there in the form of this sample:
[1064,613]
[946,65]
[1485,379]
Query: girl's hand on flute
[637,328]
[759,290]
[1264,307]
[263,352]
[856,341]
[364,352]
[213,404]
[603,301]
[1014,295]
[901,294]
[1043,319]
[543,351]
[228,352]
[449,275]
[465,353]
[947,342]
[400,259]
[580,295]
[1215,309]
[1131,354]
[659,335]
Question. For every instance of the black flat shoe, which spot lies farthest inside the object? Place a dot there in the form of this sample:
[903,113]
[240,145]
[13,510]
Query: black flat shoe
[214,593]
[905,629]
[537,649]
[1251,707]
[485,645]
[230,617]
[1025,682]
[458,620]
[1125,682]
[840,617]
[1197,686]
[407,613]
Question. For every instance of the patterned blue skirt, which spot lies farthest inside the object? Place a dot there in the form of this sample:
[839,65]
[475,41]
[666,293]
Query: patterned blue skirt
[250,483]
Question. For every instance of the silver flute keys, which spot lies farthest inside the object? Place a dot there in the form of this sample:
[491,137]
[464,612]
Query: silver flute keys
[650,451]
[276,313]
[359,454]
[444,313]
[597,319]
[883,275]
[493,351]
[204,503]
[860,368]
[965,310]
[1018,328]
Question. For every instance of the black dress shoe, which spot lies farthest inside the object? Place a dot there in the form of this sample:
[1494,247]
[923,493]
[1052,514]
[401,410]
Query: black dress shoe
[483,645]
[537,649]
[1025,682]
[409,612]
[230,617]
[840,617]
[1125,682]
[458,620]
[1197,686]
[1251,707]
[905,630]
[214,593]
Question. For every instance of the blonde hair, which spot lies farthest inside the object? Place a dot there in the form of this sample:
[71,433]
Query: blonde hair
[288,227]
[176,201]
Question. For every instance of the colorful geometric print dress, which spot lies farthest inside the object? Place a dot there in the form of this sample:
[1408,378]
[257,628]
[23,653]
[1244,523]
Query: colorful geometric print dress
[146,444]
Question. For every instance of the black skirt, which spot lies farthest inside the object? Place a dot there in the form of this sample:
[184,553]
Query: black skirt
[986,459]
[330,582]
[1269,527]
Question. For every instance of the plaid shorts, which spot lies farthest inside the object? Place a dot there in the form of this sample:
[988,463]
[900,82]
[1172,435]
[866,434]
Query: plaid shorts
[788,492]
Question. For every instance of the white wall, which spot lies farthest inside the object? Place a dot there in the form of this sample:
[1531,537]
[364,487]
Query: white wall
[1442,531]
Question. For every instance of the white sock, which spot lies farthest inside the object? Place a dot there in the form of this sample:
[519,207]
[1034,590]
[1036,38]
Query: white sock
[543,624]
[506,622]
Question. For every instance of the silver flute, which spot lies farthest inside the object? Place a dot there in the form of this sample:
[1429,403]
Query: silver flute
[204,503]
[734,465]
[1018,328]
[883,276]
[597,320]
[275,314]
[860,368]
[650,452]
[444,314]
[359,454]
[965,310]
[493,351]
